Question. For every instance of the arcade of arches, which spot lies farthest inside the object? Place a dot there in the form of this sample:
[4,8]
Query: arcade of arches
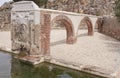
[71,34]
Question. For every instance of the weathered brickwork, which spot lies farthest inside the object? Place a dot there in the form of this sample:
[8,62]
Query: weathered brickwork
[46,35]
[89,25]
[69,27]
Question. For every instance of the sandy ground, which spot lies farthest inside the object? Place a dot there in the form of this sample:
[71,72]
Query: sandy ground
[5,39]
[98,50]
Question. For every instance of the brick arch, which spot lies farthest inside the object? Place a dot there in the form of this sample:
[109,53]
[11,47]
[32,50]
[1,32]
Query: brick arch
[69,27]
[87,20]
[99,23]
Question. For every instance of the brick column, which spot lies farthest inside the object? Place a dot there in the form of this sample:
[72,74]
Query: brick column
[71,40]
[90,28]
[46,35]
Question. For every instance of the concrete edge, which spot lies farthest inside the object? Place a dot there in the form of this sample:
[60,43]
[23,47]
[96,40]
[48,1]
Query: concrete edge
[81,68]
[8,50]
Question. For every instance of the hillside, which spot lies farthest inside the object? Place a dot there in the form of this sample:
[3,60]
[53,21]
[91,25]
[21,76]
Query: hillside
[94,7]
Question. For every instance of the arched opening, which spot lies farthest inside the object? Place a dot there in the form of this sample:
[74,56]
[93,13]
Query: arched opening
[63,22]
[86,25]
[46,32]
[98,25]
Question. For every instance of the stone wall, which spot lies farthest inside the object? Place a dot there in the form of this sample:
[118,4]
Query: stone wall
[5,16]
[111,27]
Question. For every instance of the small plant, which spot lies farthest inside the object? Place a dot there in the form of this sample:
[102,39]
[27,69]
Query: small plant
[117,9]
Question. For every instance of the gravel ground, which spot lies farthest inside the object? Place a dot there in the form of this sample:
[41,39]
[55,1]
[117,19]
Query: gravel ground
[99,50]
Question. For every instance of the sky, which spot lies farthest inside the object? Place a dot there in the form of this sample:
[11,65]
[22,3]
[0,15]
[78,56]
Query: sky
[3,1]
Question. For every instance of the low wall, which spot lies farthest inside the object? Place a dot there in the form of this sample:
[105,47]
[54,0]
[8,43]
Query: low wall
[111,27]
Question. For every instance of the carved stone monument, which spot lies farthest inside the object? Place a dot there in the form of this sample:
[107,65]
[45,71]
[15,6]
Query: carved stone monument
[25,18]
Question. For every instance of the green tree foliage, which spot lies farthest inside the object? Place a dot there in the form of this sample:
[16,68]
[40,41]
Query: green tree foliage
[117,9]
[38,2]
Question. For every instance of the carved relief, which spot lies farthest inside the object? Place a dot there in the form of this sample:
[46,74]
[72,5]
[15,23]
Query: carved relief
[20,31]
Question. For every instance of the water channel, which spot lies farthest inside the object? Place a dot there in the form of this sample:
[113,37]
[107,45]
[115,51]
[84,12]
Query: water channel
[13,68]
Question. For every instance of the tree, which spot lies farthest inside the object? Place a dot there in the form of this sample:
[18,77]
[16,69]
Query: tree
[117,9]
[38,2]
